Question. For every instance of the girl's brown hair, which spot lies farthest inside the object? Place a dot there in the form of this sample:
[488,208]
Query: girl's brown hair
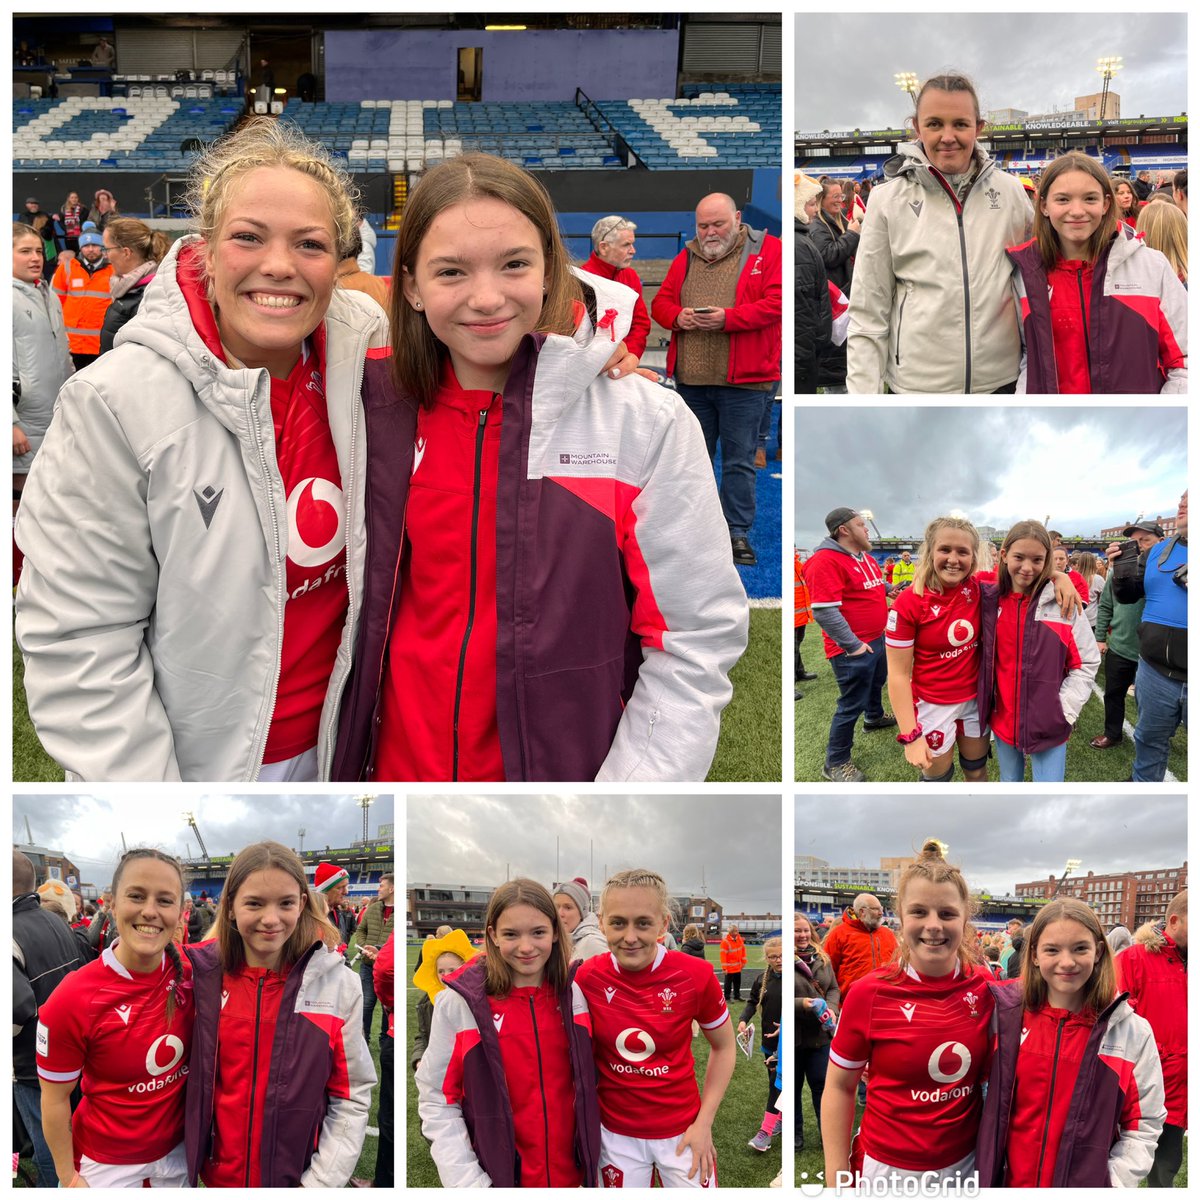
[925,576]
[416,353]
[313,925]
[1101,989]
[1043,232]
[21,230]
[172,950]
[150,245]
[523,891]
[1165,229]
[1085,564]
[1019,532]
[932,867]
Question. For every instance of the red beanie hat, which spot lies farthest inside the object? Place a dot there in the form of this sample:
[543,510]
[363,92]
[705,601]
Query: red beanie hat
[329,876]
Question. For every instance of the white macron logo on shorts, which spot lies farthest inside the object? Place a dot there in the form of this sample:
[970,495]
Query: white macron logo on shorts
[43,1039]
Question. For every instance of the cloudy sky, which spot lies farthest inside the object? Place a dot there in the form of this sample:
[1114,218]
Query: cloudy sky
[732,845]
[88,830]
[1001,841]
[1038,62]
[1088,468]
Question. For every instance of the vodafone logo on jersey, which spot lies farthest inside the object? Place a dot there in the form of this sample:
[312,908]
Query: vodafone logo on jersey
[948,1063]
[168,1042]
[632,1053]
[961,632]
[163,1064]
[935,1062]
[316,522]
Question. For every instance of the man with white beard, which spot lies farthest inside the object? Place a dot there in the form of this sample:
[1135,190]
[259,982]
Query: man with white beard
[722,300]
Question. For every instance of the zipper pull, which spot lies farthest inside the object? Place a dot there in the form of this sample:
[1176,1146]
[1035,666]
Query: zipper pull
[483,412]
[608,321]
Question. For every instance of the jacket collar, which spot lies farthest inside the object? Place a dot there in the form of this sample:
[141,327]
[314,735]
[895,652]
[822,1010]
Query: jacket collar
[912,162]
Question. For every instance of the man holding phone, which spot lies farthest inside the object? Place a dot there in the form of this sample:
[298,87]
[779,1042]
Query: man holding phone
[1158,574]
[1117,635]
[722,300]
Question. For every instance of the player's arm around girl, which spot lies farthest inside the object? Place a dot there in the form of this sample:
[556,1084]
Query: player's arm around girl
[124,1023]
[1075,1097]
[506,1086]
[281,1087]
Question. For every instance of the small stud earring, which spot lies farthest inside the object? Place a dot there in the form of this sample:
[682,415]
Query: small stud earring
[419,306]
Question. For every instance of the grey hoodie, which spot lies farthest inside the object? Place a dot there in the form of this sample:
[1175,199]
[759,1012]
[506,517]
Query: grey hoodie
[586,939]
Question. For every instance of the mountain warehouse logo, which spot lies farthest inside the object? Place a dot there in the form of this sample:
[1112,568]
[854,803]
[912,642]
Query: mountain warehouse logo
[599,458]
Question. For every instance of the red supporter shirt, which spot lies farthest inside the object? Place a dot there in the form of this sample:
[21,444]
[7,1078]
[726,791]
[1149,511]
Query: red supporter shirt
[942,628]
[1070,284]
[436,628]
[1053,1042]
[1010,633]
[642,1039]
[926,1042]
[110,1025]
[249,1010]
[853,583]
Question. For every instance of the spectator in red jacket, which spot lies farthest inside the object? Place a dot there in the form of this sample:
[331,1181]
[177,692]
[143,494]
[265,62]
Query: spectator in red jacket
[1154,973]
[722,300]
[613,248]
[861,943]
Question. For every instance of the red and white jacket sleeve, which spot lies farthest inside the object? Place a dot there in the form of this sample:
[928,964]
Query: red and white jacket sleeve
[1172,335]
[452,1034]
[1145,1111]
[690,608]
[1083,663]
[348,1090]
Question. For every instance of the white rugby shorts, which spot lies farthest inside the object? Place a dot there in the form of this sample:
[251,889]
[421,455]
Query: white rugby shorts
[944,724]
[168,1171]
[629,1162]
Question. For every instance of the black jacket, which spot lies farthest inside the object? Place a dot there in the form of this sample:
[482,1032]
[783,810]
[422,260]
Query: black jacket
[694,947]
[814,314]
[837,249]
[766,995]
[119,311]
[50,952]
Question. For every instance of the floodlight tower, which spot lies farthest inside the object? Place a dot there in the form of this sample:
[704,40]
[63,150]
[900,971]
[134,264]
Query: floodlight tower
[1108,67]
[365,802]
[907,82]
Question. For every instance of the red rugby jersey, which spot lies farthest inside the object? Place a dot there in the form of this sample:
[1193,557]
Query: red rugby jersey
[111,1026]
[853,583]
[927,1045]
[642,1039]
[943,630]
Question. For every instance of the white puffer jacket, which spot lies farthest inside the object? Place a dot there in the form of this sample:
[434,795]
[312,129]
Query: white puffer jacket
[151,637]
[41,362]
[932,308]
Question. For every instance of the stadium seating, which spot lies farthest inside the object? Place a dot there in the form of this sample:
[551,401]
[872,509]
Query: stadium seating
[734,127]
[136,133]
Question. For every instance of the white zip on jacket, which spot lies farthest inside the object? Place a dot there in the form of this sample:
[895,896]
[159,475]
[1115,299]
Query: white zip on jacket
[151,636]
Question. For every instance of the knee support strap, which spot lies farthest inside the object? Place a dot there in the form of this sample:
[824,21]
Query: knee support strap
[949,775]
[974,764]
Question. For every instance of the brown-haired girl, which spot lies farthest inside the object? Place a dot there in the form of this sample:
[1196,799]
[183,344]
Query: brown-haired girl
[920,1027]
[1128,205]
[134,251]
[643,999]
[123,1023]
[507,1090]
[817,1002]
[932,308]
[282,1083]
[1037,664]
[1075,1093]
[549,592]
[1100,310]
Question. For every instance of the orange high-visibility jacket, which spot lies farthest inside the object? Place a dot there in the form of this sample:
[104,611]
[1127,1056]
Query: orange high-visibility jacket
[85,299]
[733,953]
[803,601]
